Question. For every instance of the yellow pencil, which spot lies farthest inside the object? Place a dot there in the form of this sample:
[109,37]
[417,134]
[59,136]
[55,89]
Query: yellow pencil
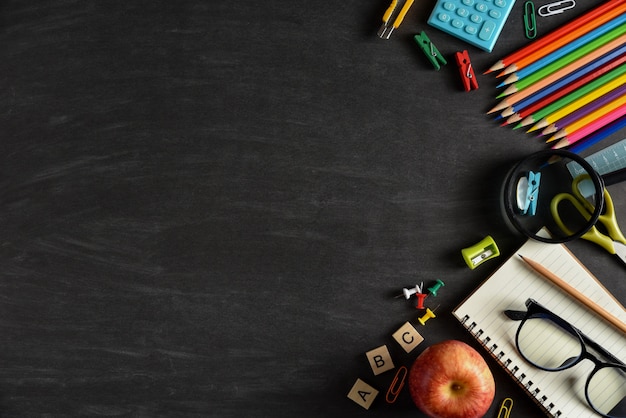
[574,105]
[597,114]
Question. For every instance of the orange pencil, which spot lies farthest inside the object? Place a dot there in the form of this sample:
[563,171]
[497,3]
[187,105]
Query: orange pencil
[576,32]
[516,96]
[611,110]
[562,92]
[581,25]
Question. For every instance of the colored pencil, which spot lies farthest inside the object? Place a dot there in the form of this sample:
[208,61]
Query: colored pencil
[563,34]
[592,117]
[562,90]
[595,66]
[566,49]
[576,294]
[598,136]
[576,99]
[516,95]
[591,128]
[567,59]
[585,110]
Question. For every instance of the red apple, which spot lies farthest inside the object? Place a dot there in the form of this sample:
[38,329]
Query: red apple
[451,380]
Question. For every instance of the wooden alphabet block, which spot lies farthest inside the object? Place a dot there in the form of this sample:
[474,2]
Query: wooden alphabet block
[380,360]
[408,337]
[363,394]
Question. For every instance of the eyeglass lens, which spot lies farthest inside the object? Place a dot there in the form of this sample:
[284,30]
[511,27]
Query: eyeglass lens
[549,346]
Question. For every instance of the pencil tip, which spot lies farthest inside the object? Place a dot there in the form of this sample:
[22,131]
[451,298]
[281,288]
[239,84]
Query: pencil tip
[497,66]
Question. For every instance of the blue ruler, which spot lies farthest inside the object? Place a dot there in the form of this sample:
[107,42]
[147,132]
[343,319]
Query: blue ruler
[607,160]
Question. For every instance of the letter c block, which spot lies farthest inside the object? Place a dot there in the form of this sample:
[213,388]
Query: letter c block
[408,337]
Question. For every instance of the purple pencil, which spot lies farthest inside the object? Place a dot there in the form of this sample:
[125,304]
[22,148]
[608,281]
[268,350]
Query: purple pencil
[585,110]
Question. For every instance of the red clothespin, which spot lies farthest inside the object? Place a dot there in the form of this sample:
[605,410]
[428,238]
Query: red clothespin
[466,70]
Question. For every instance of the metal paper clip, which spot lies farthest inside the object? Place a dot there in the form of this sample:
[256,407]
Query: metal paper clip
[396,385]
[556,8]
[505,408]
[530,20]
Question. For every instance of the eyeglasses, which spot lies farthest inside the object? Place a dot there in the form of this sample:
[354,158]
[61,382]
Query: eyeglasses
[550,343]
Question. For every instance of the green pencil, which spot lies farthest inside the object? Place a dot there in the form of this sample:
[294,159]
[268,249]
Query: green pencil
[592,88]
[567,59]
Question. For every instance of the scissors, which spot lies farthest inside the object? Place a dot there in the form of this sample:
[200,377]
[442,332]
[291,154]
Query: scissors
[614,242]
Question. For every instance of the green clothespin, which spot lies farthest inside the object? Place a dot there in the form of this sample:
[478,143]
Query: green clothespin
[431,51]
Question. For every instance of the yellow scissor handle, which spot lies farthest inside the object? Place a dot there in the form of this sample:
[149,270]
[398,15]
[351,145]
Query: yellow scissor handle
[609,220]
[593,234]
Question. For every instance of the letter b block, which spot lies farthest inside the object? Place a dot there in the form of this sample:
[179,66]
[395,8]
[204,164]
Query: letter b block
[380,360]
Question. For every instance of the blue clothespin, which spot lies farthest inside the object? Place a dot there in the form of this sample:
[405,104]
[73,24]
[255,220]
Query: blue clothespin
[431,51]
[532,194]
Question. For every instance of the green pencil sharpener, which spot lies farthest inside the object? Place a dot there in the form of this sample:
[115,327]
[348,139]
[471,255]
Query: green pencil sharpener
[478,253]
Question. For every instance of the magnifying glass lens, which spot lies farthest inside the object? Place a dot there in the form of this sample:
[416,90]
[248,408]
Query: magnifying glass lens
[555,191]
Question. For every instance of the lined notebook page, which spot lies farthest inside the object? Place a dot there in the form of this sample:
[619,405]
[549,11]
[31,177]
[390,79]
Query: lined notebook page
[560,393]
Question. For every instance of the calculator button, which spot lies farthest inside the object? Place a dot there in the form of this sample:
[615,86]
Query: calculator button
[500,3]
[471,29]
[444,17]
[467,2]
[462,12]
[481,7]
[487,30]
[476,18]
[457,23]
[495,14]
[448,6]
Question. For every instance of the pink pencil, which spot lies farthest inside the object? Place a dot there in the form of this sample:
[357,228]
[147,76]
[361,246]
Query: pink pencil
[591,127]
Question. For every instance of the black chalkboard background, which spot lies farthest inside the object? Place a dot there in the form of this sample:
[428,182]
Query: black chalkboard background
[208,206]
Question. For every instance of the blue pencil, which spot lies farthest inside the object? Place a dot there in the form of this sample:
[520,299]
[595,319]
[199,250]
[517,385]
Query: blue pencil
[561,52]
[592,66]
[599,135]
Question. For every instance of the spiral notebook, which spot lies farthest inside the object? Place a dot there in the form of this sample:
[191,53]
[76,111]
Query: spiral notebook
[559,394]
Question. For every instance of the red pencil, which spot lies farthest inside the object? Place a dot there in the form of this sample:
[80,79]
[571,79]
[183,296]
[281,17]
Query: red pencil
[540,104]
[597,15]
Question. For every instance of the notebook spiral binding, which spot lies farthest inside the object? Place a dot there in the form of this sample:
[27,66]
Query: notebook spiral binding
[540,400]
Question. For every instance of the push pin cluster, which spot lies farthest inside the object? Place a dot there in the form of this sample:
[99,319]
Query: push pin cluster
[420,297]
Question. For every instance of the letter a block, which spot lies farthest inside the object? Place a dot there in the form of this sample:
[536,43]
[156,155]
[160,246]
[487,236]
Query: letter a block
[363,394]
[408,337]
[380,360]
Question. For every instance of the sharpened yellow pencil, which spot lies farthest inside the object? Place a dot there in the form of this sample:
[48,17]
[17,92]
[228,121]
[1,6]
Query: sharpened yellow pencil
[565,110]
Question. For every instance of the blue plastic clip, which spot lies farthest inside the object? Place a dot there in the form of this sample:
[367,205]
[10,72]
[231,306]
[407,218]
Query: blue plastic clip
[528,193]
[430,50]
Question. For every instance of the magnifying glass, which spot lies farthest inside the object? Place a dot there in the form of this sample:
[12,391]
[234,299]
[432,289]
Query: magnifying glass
[556,191]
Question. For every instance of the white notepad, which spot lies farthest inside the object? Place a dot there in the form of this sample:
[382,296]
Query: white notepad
[560,394]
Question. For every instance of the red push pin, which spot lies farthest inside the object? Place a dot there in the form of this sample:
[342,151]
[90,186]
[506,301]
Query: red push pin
[420,300]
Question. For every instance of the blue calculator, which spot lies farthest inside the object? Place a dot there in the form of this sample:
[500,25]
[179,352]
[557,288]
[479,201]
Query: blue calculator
[477,22]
